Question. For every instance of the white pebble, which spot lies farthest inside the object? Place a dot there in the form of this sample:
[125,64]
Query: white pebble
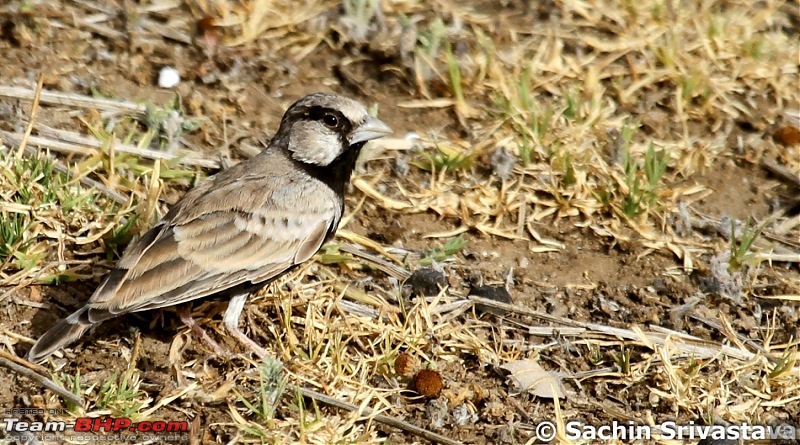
[168,77]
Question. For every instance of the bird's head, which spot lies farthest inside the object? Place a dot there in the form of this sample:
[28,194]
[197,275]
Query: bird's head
[319,128]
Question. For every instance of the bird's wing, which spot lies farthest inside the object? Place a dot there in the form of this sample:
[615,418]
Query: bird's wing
[197,253]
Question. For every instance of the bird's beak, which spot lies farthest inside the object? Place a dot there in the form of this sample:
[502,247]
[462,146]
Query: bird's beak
[373,128]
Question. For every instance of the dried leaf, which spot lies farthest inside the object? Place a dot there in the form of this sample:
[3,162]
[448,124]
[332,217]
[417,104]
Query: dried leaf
[528,375]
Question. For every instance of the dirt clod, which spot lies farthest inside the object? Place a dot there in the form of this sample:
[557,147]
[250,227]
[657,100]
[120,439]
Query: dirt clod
[425,282]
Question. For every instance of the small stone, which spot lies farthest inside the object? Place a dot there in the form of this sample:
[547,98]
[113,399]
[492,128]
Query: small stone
[35,295]
[496,293]
[425,282]
[438,413]
[502,162]
[168,77]
[400,167]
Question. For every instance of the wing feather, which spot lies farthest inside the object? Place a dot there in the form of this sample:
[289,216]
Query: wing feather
[219,240]
[211,253]
[154,282]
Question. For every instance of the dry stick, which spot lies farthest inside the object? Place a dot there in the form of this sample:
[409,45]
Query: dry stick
[34,108]
[157,7]
[64,147]
[387,420]
[379,263]
[719,328]
[104,30]
[96,6]
[22,367]
[781,172]
[692,345]
[71,99]
[166,31]
[779,257]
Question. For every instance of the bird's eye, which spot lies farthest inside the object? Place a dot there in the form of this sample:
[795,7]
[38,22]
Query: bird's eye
[330,120]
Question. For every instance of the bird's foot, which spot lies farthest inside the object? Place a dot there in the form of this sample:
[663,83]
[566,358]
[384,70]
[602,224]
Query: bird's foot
[253,346]
[185,314]
[231,322]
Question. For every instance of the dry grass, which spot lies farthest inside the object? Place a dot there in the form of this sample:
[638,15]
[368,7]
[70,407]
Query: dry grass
[608,114]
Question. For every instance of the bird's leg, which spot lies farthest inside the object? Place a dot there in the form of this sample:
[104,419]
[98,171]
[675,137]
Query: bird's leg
[231,322]
[185,314]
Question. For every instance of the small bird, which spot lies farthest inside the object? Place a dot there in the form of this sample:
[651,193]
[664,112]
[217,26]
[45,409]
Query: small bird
[240,229]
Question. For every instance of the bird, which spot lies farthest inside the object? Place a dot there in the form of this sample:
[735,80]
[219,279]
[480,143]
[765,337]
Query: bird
[240,229]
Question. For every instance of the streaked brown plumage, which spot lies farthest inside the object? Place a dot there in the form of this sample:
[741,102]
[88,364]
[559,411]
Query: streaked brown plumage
[240,229]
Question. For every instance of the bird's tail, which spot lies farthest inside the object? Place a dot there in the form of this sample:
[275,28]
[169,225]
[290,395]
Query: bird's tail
[65,332]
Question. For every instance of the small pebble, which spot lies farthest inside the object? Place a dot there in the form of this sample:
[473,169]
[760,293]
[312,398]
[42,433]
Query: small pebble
[425,282]
[437,411]
[168,77]
[496,293]
[503,162]
[400,167]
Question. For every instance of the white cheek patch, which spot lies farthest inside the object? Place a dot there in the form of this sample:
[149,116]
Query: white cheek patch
[313,143]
